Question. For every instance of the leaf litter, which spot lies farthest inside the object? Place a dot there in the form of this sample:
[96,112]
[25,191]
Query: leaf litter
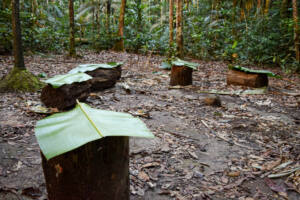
[248,148]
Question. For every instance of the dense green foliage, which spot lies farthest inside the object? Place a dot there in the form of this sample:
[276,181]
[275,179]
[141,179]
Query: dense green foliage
[212,29]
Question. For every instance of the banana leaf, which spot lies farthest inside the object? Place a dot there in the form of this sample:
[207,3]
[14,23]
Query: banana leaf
[179,62]
[60,80]
[92,67]
[165,65]
[247,70]
[63,132]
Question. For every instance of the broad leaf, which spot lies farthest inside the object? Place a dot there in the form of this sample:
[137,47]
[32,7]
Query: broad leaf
[165,65]
[60,80]
[179,62]
[92,67]
[244,69]
[66,131]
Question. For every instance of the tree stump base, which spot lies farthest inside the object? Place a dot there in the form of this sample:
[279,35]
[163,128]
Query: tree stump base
[104,78]
[65,96]
[181,75]
[97,170]
[256,80]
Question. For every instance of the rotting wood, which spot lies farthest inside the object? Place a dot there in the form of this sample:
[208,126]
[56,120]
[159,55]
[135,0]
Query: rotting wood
[65,96]
[104,78]
[257,80]
[181,75]
[97,170]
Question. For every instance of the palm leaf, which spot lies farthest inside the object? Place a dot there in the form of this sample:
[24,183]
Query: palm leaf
[60,80]
[66,131]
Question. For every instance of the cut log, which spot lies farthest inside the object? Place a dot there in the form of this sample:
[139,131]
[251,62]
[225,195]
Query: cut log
[256,80]
[104,78]
[181,75]
[97,170]
[65,96]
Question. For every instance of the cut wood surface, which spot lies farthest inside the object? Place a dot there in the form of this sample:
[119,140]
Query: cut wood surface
[65,96]
[97,170]
[235,77]
[181,75]
[104,78]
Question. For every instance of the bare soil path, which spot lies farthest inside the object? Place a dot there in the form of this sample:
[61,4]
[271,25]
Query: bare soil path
[200,151]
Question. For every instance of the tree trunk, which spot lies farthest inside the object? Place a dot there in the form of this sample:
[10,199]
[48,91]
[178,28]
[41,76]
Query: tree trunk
[72,51]
[171,6]
[296,30]
[97,170]
[284,9]
[267,6]
[16,28]
[108,8]
[120,44]
[179,34]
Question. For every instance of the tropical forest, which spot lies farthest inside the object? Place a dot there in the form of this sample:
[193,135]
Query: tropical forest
[149,100]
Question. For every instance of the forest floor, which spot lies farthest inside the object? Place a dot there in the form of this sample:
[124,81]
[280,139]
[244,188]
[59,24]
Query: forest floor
[199,152]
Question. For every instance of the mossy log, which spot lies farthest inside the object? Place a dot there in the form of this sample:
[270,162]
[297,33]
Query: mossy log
[256,80]
[181,75]
[65,96]
[97,170]
[20,80]
[104,78]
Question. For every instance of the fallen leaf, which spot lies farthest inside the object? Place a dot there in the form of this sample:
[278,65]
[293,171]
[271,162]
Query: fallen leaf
[143,176]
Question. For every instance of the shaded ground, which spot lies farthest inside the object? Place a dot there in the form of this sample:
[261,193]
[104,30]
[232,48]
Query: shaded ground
[200,151]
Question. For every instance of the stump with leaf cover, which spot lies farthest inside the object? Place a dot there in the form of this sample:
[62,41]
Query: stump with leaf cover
[85,153]
[63,90]
[238,75]
[104,75]
[182,72]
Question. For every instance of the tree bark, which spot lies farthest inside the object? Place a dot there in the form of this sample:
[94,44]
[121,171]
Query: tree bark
[72,51]
[120,44]
[179,34]
[181,75]
[108,11]
[17,38]
[171,6]
[97,170]
[296,30]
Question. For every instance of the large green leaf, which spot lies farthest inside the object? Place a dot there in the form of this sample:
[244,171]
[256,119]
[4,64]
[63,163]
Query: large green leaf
[92,67]
[165,65]
[179,62]
[66,131]
[60,80]
[244,69]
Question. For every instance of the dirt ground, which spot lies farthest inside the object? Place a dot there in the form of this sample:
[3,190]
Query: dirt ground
[199,152]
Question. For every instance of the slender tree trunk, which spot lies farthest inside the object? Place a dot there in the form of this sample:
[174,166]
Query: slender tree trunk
[296,29]
[284,8]
[267,6]
[16,28]
[171,6]
[72,51]
[179,34]
[108,8]
[120,44]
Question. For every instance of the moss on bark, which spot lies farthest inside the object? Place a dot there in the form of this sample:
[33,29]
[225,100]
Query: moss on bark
[20,80]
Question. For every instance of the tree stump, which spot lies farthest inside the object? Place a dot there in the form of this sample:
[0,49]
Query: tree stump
[65,96]
[104,78]
[181,75]
[256,80]
[97,170]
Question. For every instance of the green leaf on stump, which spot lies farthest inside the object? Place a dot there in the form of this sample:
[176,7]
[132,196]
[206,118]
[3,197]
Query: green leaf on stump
[179,62]
[165,65]
[92,67]
[66,131]
[60,80]
[247,70]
